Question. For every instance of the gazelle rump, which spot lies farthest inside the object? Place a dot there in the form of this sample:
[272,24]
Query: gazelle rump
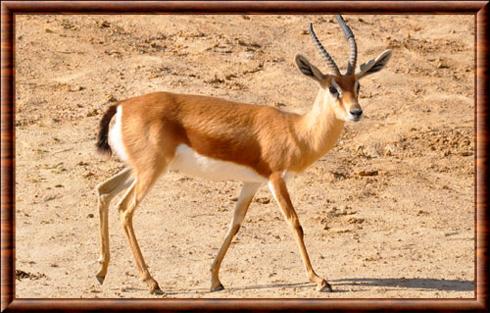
[222,140]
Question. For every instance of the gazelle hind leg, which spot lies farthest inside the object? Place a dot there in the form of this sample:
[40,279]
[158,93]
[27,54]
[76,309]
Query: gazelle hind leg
[279,190]
[139,188]
[246,196]
[106,191]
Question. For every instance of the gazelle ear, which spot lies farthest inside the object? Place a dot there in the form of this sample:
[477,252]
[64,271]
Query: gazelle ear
[308,69]
[374,65]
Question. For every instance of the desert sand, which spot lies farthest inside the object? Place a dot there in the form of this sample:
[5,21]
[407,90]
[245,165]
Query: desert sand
[388,213]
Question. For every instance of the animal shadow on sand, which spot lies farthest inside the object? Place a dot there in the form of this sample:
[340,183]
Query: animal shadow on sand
[252,287]
[416,283]
[338,284]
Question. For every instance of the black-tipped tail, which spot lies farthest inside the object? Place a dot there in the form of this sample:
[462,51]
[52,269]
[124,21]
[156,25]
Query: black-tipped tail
[102,140]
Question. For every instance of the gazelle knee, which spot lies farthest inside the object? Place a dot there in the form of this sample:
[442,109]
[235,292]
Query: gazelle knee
[299,229]
[297,226]
[104,200]
[125,218]
[126,205]
[234,229]
[101,190]
[104,258]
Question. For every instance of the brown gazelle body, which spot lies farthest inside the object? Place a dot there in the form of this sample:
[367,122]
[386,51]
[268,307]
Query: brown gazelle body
[220,139]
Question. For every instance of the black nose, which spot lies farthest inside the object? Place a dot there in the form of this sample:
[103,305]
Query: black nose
[356,112]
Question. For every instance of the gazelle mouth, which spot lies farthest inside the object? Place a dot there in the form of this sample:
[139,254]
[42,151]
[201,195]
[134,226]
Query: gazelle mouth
[354,118]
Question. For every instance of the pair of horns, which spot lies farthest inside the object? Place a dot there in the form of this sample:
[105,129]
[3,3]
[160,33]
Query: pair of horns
[351,65]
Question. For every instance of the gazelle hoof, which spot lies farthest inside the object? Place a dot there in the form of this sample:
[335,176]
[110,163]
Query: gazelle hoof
[157,291]
[154,287]
[324,287]
[100,278]
[218,287]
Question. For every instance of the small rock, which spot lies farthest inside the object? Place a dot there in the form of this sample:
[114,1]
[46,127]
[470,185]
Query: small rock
[442,64]
[76,88]
[112,99]
[215,80]
[340,173]
[263,200]
[230,76]
[105,24]
[50,197]
[355,220]
[20,274]
[368,173]
[90,215]
[89,174]
[93,112]
[389,150]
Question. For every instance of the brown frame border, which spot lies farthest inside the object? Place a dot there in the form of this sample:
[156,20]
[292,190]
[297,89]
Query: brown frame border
[10,8]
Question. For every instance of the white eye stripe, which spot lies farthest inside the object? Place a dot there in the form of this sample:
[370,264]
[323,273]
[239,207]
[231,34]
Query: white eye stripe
[339,90]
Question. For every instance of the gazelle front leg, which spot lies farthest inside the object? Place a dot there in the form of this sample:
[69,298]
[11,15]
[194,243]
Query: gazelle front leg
[279,190]
[246,196]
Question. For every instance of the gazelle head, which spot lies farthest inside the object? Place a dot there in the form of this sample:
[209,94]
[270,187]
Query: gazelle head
[341,91]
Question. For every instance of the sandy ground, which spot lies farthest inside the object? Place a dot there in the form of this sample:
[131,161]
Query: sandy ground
[388,213]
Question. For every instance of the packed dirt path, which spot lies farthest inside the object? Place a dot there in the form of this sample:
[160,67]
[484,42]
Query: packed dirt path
[389,212]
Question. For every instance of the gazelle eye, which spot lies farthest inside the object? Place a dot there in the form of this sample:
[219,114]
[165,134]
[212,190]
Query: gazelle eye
[358,88]
[333,91]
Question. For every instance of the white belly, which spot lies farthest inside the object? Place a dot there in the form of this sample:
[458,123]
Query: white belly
[190,162]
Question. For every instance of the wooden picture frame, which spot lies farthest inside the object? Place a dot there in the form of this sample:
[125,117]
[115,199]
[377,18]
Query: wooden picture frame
[479,9]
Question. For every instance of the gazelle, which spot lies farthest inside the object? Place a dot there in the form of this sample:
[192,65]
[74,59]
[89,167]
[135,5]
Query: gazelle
[225,140]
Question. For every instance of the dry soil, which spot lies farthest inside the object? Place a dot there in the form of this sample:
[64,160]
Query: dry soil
[388,213]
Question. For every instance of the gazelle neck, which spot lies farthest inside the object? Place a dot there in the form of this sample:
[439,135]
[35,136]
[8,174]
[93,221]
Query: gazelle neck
[319,129]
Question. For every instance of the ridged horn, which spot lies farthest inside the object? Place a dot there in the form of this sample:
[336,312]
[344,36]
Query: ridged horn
[351,65]
[330,62]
